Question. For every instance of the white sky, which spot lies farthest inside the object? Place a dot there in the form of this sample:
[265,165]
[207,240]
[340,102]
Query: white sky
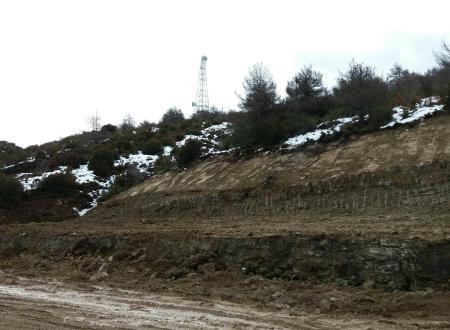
[62,60]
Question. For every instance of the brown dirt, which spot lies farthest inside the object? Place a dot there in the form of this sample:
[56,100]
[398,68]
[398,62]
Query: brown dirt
[358,232]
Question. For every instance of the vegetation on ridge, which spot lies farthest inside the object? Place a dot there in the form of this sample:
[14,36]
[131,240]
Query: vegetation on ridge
[265,120]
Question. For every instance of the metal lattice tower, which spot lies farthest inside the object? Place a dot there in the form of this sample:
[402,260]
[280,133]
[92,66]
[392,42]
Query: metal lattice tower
[202,100]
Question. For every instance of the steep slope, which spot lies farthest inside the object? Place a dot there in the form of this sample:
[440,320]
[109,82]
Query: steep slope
[399,169]
[360,225]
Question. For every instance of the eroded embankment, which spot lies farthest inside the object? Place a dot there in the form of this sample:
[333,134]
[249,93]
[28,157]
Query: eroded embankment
[388,264]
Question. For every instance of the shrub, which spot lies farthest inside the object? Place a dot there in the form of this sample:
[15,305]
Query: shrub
[21,167]
[63,184]
[40,155]
[164,163]
[69,143]
[152,147]
[379,118]
[10,190]
[191,150]
[102,162]
[173,116]
[122,144]
[209,117]
[123,182]
[69,158]
[167,141]
[109,128]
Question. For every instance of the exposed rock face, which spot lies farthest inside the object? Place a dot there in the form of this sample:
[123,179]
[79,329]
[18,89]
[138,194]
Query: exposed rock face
[399,169]
[378,263]
[370,212]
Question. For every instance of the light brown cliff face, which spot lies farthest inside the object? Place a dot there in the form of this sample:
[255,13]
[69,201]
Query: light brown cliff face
[383,151]
[399,171]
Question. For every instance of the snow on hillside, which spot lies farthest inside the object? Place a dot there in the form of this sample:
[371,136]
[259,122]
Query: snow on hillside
[84,175]
[29,160]
[32,182]
[167,151]
[209,135]
[144,163]
[400,116]
[316,135]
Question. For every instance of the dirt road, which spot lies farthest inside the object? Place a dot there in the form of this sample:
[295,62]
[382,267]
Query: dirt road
[26,304]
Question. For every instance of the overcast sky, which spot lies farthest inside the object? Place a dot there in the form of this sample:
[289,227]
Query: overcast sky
[62,60]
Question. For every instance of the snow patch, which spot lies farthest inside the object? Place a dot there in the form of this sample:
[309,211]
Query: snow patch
[84,175]
[32,182]
[142,162]
[316,135]
[210,135]
[167,151]
[402,116]
[28,160]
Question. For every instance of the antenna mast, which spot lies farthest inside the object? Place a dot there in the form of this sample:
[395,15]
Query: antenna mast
[202,101]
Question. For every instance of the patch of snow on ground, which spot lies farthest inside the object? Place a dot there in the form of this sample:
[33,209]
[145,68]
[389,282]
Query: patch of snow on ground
[224,127]
[84,175]
[403,116]
[29,160]
[429,101]
[209,135]
[425,108]
[94,195]
[167,150]
[189,137]
[316,135]
[32,182]
[142,162]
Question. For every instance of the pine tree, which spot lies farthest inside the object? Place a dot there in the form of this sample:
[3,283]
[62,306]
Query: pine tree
[306,85]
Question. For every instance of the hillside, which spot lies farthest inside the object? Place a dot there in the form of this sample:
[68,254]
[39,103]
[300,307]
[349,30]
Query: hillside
[357,227]
[67,178]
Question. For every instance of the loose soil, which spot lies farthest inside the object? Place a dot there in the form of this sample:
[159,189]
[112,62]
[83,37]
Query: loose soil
[352,235]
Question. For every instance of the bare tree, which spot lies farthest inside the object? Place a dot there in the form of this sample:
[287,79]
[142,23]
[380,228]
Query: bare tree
[443,58]
[128,123]
[94,122]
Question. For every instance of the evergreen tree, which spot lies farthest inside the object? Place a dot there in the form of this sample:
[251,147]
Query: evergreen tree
[441,74]
[260,92]
[173,116]
[404,86]
[260,124]
[306,85]
[306,96]
[362,92]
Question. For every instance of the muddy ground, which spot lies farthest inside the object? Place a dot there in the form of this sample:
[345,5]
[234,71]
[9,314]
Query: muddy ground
[33,304]
[352,235]
[215,262]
